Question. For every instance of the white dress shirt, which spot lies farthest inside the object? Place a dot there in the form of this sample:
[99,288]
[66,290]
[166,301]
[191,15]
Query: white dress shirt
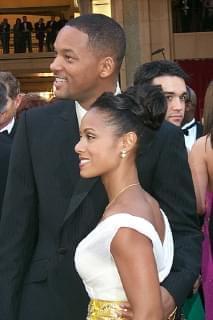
[9,126]
[80,111]
[192,133]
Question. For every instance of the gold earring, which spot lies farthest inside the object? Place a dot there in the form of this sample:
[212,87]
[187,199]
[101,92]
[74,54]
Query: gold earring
[123,154]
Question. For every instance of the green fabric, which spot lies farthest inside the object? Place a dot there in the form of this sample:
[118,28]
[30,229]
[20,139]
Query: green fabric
[193,308]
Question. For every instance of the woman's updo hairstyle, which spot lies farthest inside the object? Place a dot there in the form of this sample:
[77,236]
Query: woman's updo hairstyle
[138,107]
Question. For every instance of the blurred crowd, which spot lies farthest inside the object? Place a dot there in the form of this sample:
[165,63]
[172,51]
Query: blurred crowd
[22,33]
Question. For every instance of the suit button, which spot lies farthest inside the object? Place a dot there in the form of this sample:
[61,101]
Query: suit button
[62,250]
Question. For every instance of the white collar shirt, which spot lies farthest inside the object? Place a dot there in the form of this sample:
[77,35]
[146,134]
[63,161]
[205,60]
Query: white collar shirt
[80,111]
[9,126]
[192,133]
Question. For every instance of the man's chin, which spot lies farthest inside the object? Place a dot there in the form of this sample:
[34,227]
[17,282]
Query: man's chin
[61,95]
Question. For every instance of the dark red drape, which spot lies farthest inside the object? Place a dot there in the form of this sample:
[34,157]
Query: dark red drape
[201,73]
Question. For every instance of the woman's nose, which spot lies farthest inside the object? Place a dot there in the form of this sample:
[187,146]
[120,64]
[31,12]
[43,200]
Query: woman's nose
[78,147]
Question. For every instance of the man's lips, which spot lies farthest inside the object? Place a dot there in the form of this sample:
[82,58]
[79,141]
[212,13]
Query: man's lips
[177,117]
[59,81]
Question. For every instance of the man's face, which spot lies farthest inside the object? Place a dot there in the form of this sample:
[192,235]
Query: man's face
[174,89]
[8,112]
[76,67]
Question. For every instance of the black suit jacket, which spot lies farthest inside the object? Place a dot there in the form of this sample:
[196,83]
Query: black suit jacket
[5,148]
[164,172]
[29,26]
[199,131]
[40,30]
[41,227]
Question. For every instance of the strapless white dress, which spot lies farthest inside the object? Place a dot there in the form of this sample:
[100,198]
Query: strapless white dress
[96,266]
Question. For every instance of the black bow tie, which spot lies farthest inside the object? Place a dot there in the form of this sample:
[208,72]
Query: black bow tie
[186,130]
[5,132]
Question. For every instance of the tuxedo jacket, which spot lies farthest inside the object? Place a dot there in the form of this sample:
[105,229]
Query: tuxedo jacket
[29,26]
[52,209]
[51,27]
[40,30]
[199,131]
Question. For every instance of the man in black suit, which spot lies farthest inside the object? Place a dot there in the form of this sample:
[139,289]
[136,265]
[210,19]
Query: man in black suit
[169,179]
[51,29]
[9,101]
[40,33]
[192,129]
[4,146]
[52,208]
[5,35]
[27,29]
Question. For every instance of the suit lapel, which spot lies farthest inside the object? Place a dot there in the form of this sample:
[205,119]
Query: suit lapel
[81,191]
[82,186]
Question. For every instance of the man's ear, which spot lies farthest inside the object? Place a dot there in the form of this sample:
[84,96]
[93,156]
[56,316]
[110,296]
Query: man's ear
[107,67]
[18,100]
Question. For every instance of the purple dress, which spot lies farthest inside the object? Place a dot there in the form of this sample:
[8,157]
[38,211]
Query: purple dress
[207,261]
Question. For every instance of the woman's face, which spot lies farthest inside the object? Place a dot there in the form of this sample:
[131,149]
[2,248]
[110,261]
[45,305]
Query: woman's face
[99,147]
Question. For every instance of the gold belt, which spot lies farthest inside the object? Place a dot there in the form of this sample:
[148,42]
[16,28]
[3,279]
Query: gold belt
[104,310]
[109,310]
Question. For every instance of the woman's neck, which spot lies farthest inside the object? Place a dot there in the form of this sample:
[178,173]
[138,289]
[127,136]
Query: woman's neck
[116,181]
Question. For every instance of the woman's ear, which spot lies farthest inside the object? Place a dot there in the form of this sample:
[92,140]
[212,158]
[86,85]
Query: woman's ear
[107,67]
[129,141]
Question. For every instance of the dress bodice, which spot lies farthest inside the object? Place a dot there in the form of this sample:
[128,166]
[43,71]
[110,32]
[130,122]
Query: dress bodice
[96,265]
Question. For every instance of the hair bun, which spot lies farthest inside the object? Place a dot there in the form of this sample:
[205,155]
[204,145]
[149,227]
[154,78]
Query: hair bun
[148,104]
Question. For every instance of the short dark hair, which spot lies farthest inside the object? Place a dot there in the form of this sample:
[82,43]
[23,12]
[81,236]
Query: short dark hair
[191,96]
[146,72]
[12,84]
[134,109]
[3,96]
[104,33]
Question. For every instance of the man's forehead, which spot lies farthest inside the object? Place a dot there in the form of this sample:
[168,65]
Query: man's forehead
[170,84]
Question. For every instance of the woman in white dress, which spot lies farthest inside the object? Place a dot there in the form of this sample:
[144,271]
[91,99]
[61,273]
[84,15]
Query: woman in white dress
[130,251]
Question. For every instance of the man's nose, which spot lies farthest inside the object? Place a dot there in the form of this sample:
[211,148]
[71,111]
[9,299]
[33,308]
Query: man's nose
[56,64]
[178,104]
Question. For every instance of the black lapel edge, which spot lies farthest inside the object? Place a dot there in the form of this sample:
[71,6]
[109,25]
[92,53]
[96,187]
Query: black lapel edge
[81,191]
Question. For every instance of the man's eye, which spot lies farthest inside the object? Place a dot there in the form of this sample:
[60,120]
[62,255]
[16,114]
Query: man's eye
[169,98]
[183,98]
[69,59]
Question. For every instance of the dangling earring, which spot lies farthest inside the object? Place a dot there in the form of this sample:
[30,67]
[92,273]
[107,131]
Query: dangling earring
[123,154]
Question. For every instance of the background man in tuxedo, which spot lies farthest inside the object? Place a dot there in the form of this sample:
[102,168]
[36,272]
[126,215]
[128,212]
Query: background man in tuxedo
[192,129]
[27,29]
[51,30]
[10,101]
[7,118]
[5,35]
[52,209]
[169,178]
[40,33]
[4,146]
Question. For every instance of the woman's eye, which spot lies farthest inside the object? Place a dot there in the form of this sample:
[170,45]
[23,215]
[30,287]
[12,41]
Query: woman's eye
[90,137]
